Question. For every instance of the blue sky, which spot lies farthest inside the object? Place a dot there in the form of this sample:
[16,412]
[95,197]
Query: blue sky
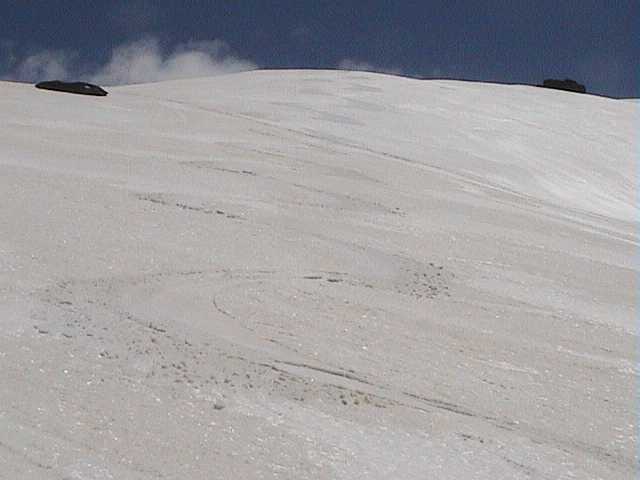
[523,41]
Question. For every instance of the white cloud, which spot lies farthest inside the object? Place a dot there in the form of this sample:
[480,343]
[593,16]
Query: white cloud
[136,62]
[357,65]
[143,61]
[47,64]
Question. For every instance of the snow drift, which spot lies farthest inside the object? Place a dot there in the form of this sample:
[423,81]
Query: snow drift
[317,274]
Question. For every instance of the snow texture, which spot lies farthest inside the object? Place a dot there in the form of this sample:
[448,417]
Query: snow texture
[317,275]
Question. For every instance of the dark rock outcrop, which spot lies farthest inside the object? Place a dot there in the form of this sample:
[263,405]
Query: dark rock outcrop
[81,88]
[566,84]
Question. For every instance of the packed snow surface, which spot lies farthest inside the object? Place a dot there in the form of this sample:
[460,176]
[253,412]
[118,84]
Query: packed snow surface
[317,275]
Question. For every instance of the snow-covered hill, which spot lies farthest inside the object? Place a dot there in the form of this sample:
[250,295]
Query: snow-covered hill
[317,274]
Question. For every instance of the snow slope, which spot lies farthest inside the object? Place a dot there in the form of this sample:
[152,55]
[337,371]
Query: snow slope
[317,274]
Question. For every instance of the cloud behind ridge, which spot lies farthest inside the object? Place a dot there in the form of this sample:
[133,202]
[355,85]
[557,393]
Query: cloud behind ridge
[141,61]
[357,65]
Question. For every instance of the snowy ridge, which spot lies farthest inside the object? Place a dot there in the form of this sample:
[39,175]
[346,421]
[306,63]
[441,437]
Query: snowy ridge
[317,274]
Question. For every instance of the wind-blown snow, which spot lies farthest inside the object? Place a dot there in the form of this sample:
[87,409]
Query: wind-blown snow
[317,274]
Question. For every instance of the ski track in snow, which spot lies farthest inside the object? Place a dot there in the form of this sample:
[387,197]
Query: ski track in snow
[310,274]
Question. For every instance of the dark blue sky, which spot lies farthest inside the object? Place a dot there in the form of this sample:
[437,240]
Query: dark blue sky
[593,41]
